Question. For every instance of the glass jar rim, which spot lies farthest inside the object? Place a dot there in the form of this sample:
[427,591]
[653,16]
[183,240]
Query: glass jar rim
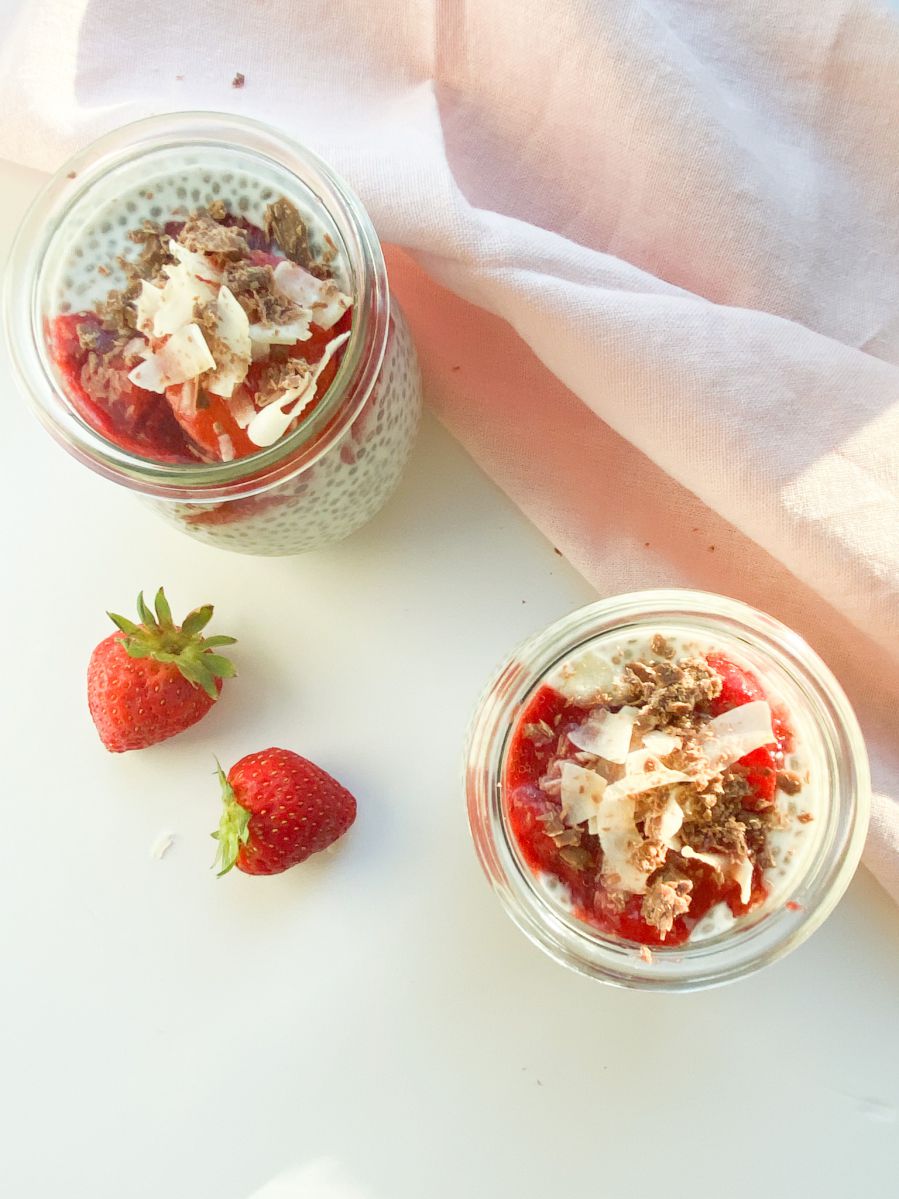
[752,943]
[359,365]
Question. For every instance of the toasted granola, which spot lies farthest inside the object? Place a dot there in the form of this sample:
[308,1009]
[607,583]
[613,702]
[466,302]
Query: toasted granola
[283,223]
[666,898]
[204,233]
[254,288]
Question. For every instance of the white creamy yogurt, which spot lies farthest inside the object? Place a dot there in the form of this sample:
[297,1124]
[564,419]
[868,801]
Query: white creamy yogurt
[555,891]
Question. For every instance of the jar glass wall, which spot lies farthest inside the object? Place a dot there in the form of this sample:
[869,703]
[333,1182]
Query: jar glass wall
[833,742]
[342,460]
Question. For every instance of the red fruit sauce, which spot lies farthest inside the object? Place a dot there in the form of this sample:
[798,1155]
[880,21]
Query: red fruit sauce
[525,803]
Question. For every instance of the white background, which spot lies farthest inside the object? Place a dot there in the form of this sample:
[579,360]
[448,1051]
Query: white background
[370,1021]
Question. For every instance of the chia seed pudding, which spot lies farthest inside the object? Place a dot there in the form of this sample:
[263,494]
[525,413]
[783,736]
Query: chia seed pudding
[210,325]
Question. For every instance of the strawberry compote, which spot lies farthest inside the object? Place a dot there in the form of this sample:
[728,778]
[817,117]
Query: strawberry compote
[655,789]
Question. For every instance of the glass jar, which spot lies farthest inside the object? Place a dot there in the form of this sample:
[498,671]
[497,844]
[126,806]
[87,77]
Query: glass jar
[338,467]
[832,739]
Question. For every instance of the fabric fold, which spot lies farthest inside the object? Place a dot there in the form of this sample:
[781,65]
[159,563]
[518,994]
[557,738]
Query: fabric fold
[685,214]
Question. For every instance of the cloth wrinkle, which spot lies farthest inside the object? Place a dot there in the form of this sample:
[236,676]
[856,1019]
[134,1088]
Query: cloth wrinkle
[656,241]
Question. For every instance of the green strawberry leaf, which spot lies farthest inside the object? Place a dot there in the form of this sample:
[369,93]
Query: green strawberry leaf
[197,620]
[127,626]
[158,637]
[234,827]
[197,674]
[146,616]
[222,668]
[137,649]
[163,611]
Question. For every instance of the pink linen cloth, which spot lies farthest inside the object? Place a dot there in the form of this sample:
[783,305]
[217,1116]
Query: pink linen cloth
[649,249]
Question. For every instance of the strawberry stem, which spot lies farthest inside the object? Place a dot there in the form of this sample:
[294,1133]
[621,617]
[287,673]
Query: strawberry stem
[234,826]
[158,637]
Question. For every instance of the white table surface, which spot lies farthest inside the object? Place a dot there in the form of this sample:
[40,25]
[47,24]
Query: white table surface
[371,1021]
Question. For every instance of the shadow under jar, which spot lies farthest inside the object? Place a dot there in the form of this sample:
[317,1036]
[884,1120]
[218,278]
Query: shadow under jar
[803,790]
[339,460]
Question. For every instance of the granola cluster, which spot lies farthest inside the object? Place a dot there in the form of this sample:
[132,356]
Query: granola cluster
[667,693]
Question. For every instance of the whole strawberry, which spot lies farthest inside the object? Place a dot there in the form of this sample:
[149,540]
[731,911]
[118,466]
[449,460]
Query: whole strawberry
[279,809]
[152,680]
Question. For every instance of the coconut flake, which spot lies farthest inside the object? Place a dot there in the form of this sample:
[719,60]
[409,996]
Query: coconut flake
[192,279]
[185,355]
[297,284]
[161,846]
[242,408]
[146,306]
[322,296]
[718,861]
[743,875]
[661,744]
[606,734]
[669,821]
[620,838]
[195,262]
[645,780]
[635,762]
[581,792]
[273,421]
[148,374]
[263,337]
[232,329]
[736,733]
